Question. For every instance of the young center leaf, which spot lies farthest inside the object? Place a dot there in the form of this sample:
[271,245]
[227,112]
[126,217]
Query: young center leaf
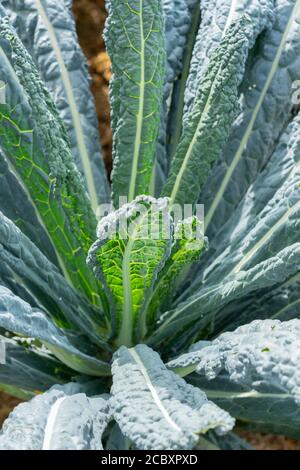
[132,247]
[188,246]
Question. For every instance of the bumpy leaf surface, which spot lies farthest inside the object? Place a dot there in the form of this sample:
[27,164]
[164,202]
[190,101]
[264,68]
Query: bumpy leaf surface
[281,171]
[34,140]
[48,30]
[133,244]
[278,303]
[135,43]
[216,105]
[216,17]
[64,418]
[181,22]
[157,409]
[263,241]
[189,243]
[18,207]
[267,103]
[198,311]
[253,373]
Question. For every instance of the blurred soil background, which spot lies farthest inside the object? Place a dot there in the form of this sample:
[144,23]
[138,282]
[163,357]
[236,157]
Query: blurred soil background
[90,16]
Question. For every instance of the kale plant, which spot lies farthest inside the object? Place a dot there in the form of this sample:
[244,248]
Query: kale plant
[124,327]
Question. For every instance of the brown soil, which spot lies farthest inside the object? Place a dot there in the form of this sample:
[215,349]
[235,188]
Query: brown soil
[7,403]
[90,17]
[270,442]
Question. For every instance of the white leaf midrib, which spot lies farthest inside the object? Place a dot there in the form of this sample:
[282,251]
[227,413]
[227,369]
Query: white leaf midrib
[140,115]
[231,15]
[84,155]
[214,394]
[153,391]
[51,422]
[22,184]
[237,268]
[237,157]
[195,138]
[125,335]
[190,148]
[268,235]
[285,309]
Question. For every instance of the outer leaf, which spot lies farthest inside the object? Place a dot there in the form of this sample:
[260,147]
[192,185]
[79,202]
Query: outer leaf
[279,175]
[198,311]
[272,228]
[18,207]
[116,440]
[254,374]
[265,249]
[258,411]
[30,368]
[182,18]
[16,392]
[283,168]
[280,303]
[17,316]
[28,273]
[204,136]
[178,18]
[216,17]
[133,244]
[262,353]
[174,128]
[155,408]
[34,141]
[64,418]
[9,279]
[266,109]
[48,30]
[135,42]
